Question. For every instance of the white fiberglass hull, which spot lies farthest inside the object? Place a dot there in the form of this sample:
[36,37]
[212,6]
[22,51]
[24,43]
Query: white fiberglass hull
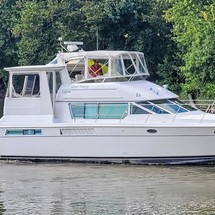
[122,144]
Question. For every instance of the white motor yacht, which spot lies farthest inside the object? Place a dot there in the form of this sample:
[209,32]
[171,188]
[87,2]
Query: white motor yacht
[68,111]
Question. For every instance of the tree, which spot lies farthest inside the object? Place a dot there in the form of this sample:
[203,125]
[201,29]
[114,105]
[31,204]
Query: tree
[41,23]
[8,48]
[194,30]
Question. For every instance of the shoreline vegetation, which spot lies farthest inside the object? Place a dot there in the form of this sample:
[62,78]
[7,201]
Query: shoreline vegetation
[177,37]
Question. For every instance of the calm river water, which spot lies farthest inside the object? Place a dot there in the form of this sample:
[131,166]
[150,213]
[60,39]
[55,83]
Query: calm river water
[85,189]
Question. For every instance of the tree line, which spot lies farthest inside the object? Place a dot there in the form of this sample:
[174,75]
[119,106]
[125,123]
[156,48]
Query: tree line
[177,36]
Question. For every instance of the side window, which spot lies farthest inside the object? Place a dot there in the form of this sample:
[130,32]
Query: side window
[137,110]
[182,105]
[25,85]
[98,111]
[170,106]
[23,132]
[76,110]
[90,111]
[154,108]
[112,111]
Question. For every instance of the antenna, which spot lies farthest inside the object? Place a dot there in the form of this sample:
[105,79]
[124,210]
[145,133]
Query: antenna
[73,46]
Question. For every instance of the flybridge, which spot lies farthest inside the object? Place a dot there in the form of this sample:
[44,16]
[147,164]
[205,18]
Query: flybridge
[112,65]
[77,67]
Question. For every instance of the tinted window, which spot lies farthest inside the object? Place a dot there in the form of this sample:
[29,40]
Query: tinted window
[24,132]
[100,111]
[170,106]
[112,111]
[137,110]
[77,110]
[90,111]
[154,108]
[187,106]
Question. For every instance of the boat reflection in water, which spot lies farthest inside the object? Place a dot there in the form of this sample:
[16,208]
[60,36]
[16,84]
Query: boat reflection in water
[69,110]
[81,189]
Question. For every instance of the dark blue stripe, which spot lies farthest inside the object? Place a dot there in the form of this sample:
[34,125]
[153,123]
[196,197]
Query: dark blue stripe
[182,160]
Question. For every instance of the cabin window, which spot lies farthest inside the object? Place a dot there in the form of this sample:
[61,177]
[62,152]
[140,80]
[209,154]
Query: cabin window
[170,106]
[154,108]
[112,111]
[166,106]
[25,85]
[137,110]
[77,110]
[98,110]
[23,132]
[84,110]
[181,104]
[90,111]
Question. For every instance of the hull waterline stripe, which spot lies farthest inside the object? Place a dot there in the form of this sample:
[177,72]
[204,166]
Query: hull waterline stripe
[131,160]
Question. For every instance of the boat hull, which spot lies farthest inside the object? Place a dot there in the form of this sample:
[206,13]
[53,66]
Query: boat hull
[122,144]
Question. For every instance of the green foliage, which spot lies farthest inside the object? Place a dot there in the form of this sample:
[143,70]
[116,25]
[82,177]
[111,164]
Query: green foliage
[169,72]
[8,48]
[194,30]
[130,25]
[41,23]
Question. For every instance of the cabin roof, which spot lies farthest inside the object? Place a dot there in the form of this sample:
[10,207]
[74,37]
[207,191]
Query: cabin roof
[47,67]
[100,54]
